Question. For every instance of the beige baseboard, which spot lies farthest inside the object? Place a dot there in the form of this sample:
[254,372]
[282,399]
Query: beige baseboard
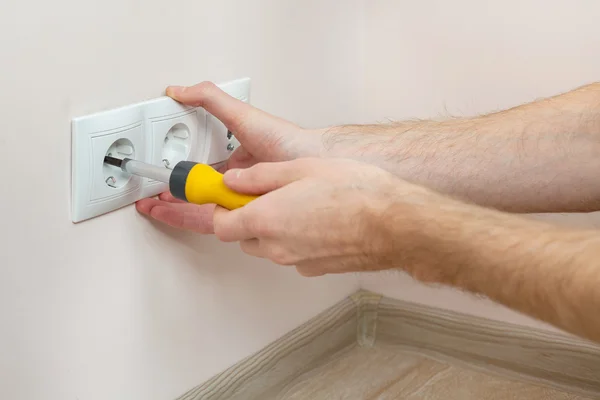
[263,374]
[555,360]
[367,319]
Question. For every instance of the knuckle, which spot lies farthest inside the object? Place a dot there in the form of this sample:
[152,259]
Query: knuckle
[256,180]
[246,247]
[303,271]
[250,221]
[256,224]
[308,271]
[238,123]
[262,229]
[204,93]
[206,88]
[223,230]
[220,232]
[280,255]
[256,172]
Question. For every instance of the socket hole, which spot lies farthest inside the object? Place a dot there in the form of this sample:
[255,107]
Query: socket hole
[115,177]
[176,146]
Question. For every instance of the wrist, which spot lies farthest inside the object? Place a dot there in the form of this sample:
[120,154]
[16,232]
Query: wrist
[403,230]
[438,239]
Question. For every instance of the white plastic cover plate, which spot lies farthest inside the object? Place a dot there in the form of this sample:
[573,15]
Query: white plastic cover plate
[160,132]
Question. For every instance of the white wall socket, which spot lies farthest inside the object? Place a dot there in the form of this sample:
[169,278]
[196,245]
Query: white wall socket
[160,132]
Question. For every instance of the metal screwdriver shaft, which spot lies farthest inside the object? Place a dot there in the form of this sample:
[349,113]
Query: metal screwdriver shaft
[140,169]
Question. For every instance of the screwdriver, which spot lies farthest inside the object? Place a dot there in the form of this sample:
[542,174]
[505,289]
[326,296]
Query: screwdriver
[188,181]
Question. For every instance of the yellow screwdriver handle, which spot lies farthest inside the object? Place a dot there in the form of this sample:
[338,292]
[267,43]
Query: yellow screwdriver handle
[204,185]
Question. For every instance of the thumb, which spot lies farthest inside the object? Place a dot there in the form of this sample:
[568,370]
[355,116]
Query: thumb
[244,120]
[266,177]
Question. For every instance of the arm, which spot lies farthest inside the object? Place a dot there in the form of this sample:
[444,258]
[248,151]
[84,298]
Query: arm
[538,157]
[542,270]
[342,216]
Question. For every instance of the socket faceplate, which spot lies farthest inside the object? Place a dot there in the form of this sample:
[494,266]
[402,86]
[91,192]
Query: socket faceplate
[159,132]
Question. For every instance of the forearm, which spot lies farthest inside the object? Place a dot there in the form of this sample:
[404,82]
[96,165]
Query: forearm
[539,157]
[548,272]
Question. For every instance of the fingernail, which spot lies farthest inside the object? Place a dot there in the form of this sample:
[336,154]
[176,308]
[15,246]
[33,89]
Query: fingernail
[174,91]
[233,173]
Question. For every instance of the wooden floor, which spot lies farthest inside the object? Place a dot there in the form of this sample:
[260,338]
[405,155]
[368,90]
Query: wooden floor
[384,373]
[370,347]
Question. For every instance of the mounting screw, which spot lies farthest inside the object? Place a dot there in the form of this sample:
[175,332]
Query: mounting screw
[166,162]
[230,147]
[229,135]
[111,181]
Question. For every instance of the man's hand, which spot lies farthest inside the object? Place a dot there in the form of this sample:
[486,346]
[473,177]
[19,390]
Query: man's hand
[538,157]
[263,138]
[338,216]
[335,216]
[323,216]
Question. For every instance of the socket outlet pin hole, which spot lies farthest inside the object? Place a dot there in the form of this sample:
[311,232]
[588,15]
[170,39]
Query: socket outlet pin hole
[176,146]
[115,177]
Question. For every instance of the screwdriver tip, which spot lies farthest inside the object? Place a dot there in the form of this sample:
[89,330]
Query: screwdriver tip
[113,161]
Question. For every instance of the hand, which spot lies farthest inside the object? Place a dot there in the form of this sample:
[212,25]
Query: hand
[321,215]
[263,138]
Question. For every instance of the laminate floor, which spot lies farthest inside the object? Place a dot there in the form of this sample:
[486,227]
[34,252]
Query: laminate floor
[384,373]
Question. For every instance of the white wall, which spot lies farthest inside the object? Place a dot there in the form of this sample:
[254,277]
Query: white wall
[121,308]
[434,58]
[117,307]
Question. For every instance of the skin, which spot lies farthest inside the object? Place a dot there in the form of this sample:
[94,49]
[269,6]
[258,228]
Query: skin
[438,199]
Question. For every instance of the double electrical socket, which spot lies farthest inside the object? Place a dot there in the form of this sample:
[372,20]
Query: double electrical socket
[161,132]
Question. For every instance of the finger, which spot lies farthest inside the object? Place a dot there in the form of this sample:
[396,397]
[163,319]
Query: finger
[266,177]
[238,116]
[168,197]
[229,226]
[309,271]
[183,216]
[240,158]
[252,247]
[145,205]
